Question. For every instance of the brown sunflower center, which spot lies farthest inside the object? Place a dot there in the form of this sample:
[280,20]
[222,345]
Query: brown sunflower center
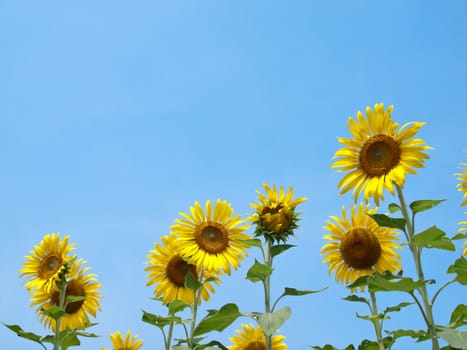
[360,248]
[176,270]
[256,345]
[212,237]
[379,155]
[49,266]
[74,288]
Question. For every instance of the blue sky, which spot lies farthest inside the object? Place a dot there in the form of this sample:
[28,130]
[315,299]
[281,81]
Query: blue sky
[118,115]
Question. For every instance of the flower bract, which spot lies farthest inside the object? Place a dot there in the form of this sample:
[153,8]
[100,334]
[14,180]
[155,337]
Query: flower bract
[252,338]
[275,216]
[80,284]
[379,154]
[167,269]
[211,238]
[129,343]
[358,246]
[42,266]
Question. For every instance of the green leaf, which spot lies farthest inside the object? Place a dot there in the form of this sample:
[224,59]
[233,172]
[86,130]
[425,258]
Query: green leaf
[258,272]
[209,346]
[279,248]
[74,298]
[270,322]
[191,282]
[386,282]
[458,316]
[368,345]
[455,338]
[433,237]
[27,335]
[68,339]
[176,306]
[331,347]
[218,320]
[180,347]
[355,298]
[54,311]
[424,204]
[393,207]
[159,321]
[459,236]
[297,292]
[397,307]
[460,269]
[386,221]
[255,242]
[420,335]
[372,317]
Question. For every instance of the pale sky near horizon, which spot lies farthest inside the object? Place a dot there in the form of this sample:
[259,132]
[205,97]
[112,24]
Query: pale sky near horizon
[118,115]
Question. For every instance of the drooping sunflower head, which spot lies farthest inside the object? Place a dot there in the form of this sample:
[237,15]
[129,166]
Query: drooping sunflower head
[358,246]
[462,184]
[167,269]
[80,284]
[252,338]
[44,263]
[275,216]
[212,238]
[379,155]
[129,343]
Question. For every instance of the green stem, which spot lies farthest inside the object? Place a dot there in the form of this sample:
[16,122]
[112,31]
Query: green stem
[376,322]
[416,253]
[194,309]
[61,304]
[441,288]
[267,289]
[169,336]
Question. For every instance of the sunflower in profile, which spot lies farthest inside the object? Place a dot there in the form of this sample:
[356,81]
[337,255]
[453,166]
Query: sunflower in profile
[129,343]
[168,270]
[212,239]
[79,284]
[275,215]
[379,155]
[44,263]
[359,246]
[252,338]
[462,187]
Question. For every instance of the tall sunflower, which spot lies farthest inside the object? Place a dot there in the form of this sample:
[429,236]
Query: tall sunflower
[212,239]
[79,284]
[379,155]
[252,338]
[275,215]
[129,343]
[359,246]
[44,263]
[168,270]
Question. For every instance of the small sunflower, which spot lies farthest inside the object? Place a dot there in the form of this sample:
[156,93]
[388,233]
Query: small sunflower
[462,184]
[79,284]
[168,269]
[212,239]
[130,342]
[42,267]
[275,215]
[252,338]
[359,246]
[379,155]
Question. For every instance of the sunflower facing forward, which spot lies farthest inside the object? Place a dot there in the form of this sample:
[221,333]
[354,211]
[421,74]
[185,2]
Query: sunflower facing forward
[129,343]
[252,338]
[359,246]
[44,263]
[275,215]
[79,284]
[168,270]
[379,155]
[212,239]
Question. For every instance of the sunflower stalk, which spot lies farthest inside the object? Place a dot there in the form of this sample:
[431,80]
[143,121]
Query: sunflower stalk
[267,289]
[62,285]
[416,253]
[377,323]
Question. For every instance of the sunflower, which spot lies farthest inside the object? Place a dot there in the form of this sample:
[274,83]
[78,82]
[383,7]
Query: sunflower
[252,338]
[42,267]
[379,155]
[462,184]
[359,246]
[79,284]
[275,215]
[130,342]
[168,269]
[212,239]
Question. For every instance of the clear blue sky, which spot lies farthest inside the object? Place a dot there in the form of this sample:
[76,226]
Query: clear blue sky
[117,115]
